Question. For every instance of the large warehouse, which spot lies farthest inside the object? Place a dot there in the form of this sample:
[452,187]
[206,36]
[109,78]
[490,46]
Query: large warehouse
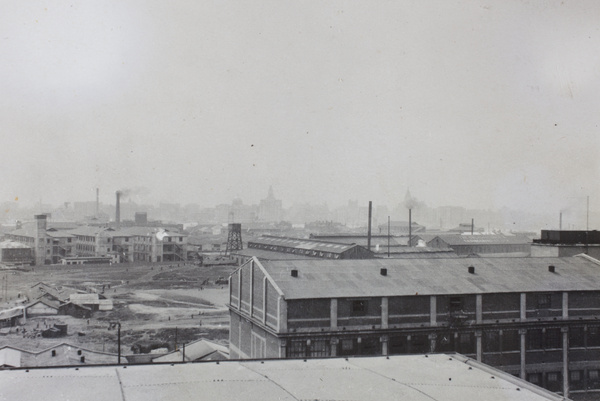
[532,317]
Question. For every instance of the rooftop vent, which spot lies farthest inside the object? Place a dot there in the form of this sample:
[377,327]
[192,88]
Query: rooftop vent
[294,273]
[551,269]
[471,269]
[383,271]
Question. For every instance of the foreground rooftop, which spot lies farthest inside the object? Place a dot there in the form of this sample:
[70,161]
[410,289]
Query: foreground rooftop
[406,377]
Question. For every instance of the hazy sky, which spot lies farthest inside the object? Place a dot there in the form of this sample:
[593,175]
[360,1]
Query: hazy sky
[481,104]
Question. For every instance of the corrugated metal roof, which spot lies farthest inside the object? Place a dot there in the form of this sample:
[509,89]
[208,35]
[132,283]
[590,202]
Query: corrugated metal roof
[362,278]
[298,243]
[363,240]
[484,239]
[269,255]
[194,351]
[406,377]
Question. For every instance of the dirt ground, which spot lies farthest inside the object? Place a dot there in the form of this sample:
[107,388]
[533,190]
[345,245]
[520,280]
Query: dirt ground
[155,304]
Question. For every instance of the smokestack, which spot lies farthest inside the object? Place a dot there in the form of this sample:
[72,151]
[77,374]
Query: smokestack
[472,226]
[409,226]
[118,209]
[369,233]
[560,221]
[97,201]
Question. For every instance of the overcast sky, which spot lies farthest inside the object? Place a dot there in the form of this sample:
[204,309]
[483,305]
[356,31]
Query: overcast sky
[482,104]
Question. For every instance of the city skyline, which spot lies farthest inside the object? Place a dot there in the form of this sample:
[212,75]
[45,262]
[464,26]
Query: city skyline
[482,105]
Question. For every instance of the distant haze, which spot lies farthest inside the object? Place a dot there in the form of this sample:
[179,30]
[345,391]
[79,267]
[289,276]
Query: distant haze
[482,104]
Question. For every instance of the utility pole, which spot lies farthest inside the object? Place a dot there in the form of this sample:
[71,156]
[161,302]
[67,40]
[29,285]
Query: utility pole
[110,327]
[587,217]
[388,236]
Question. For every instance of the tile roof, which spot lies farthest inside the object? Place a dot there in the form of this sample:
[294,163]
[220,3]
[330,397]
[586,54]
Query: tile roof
[402,377]
[362,278]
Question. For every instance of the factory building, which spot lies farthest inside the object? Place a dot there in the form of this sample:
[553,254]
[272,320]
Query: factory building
[309,248]
[479,244]
[15,253]
[85,244]
[537,318]
[567,243]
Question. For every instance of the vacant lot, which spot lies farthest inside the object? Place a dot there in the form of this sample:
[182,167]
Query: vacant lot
[155,304]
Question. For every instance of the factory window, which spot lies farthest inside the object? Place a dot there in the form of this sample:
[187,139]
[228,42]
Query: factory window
[397,345]
[534,339]
[594,378]
[419,344]
[576,380]
[534,378]
[455,303]
[359,307]
[319,348]
[347,345]
[554,381]
[511,340]
[297,349]
[491,341]
[369,346]
[544,301]
[576,337]
[553,339]
[466,343]
[593,336]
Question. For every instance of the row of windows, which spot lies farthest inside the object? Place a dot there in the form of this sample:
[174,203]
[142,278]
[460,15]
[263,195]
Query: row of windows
[455,304]
[578,380]
[462,342]
[295,251]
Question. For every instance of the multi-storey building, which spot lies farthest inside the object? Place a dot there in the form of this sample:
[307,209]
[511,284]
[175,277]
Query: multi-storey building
[128,244]
[48,245]
[155,245]
[537,318]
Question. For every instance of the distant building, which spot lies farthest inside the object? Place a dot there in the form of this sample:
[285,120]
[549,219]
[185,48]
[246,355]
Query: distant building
[308,247]
[15,253]
[401,228]
[481,244]
[270,209]
[381,245]
[567,243]
[63,354]
[201,350]
[100,244]
[532,317]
